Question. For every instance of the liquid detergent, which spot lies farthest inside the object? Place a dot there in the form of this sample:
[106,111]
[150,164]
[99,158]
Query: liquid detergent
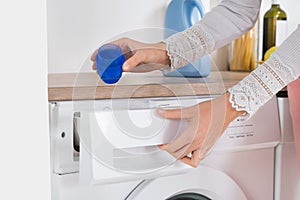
[180,15]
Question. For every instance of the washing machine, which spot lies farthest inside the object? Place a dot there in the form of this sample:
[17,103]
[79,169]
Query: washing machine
[287,179]
[107,149]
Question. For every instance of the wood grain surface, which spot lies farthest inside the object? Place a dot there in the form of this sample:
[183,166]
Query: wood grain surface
[87,86]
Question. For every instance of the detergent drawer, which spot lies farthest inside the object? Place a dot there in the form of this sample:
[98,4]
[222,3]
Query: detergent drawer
[118,144]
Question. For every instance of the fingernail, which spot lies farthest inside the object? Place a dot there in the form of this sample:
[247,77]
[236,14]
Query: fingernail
[161,111]
[162,146]
[125,67]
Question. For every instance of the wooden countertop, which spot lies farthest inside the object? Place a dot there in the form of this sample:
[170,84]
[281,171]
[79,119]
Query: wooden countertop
[83,86]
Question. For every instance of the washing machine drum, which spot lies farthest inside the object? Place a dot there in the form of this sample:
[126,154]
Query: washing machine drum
[203,183]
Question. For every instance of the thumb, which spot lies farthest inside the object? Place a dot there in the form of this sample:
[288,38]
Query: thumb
[133,61]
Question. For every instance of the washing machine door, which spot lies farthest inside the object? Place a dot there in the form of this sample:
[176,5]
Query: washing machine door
[189,196]
[203,183]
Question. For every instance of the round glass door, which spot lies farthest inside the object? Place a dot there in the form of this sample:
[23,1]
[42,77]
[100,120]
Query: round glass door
[189,196]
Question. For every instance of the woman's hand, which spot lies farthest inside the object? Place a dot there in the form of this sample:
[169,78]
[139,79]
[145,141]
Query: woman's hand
[207,121]
[140,57]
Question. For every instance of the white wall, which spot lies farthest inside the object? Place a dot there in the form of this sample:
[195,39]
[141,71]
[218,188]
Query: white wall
[77,27]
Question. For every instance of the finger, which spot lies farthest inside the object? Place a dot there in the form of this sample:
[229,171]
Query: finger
[94,67]
[180,113]
[198,137]
[192,138]
[146,67]
[93,57]
[181,152]
[194,160]
[162,146]
[133,61]
[123,43]
[181,142]
[177,154]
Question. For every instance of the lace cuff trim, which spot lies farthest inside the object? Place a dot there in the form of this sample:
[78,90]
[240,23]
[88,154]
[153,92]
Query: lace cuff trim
[261,84]
[185,47]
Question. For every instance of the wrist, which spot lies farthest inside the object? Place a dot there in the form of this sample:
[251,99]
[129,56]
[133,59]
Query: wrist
[164,57]
[231,112]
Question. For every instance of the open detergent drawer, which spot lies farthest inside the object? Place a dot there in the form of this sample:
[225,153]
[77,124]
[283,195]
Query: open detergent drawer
[119,145]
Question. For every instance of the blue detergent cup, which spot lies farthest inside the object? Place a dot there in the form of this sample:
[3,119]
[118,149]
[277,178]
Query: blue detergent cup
[180,15]
[109,61]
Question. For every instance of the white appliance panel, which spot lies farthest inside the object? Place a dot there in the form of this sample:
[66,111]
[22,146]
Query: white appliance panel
[100,162]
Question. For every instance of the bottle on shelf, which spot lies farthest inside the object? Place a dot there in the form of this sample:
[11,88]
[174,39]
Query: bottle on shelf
[243,52]
[274,28]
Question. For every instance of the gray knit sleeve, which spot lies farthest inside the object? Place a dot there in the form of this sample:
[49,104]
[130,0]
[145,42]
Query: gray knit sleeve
[264,82]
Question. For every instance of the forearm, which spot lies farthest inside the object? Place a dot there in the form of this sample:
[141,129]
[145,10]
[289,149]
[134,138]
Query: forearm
[219,27]
[263,83]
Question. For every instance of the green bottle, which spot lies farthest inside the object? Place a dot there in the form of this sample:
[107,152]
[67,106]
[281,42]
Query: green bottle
[274,27]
